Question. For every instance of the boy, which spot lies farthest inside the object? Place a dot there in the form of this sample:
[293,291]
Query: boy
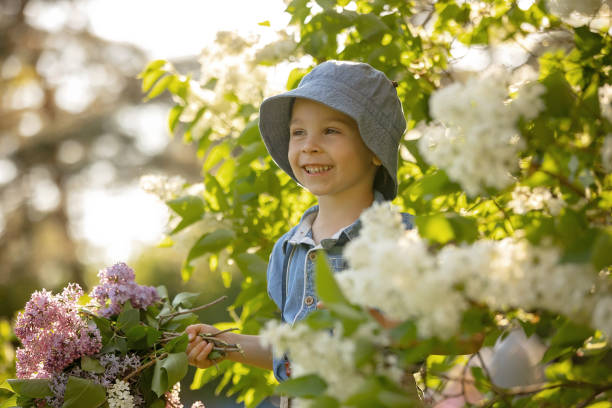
[337,134]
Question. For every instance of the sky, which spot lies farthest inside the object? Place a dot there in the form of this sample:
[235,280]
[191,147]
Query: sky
[171,29]
[177,29]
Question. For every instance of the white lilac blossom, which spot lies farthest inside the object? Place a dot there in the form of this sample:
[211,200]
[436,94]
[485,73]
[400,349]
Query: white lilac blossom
[405,280]
[322,352]
[606,153]
[525,199]
[164,187]
[474,137]
[119,395]
[572,10]
[602,315]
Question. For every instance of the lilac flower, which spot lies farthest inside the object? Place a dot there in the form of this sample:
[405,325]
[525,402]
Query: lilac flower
[173,399]
[117,286]
[53,333]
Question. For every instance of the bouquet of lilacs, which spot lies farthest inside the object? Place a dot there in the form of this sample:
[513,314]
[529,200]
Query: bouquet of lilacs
[120,346]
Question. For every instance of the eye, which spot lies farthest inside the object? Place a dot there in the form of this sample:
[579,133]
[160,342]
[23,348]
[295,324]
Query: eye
[297,132]
[331,131]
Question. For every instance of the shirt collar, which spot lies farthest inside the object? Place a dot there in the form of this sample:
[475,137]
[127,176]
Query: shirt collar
[303,234]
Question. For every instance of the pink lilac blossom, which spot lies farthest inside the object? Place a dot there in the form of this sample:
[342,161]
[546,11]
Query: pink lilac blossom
[117,286]
[173,398]
[53,333]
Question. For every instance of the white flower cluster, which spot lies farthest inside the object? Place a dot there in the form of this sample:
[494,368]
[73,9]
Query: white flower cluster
[165,188]
[403,279]
[474,138]
[577,12]
[606,153]
[525,199]
[119,395]
[328,354]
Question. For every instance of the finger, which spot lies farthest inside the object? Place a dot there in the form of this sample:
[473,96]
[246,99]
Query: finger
[196,349]
[320,305]
[193,330]
[202,356]
[195,342]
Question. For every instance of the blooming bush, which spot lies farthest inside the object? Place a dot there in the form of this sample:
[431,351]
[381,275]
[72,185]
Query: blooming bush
[124,348]
[506,167]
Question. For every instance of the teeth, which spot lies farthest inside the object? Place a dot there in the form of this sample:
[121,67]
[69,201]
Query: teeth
[316,169]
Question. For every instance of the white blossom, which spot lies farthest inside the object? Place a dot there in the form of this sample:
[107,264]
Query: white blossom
[606,153]
[578,12]
[405,280]
[164,187]
[602,315]
[605,101]
[119,395]
[525,199]
[322,352]
[474,137]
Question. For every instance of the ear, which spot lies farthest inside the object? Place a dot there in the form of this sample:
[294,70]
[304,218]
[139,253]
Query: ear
[376,161]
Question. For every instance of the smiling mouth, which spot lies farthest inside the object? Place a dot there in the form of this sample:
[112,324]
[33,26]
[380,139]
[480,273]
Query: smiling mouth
[316,169]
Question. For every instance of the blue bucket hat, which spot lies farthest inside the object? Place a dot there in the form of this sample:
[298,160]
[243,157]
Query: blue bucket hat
[355,89]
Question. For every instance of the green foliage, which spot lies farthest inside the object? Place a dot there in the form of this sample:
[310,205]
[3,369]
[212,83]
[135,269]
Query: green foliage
[255,203]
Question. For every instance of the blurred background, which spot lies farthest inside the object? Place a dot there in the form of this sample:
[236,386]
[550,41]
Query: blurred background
[76,137]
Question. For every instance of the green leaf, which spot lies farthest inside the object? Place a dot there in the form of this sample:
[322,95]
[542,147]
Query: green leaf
[178,344]
[174,115]
[216,153]
[190,208]
[185,299]
[212,242]
[82,393]
[588,42]
[160,86]
[92,365]
[251,265]
[33,388]
[150,78]
[326,4]
[159,383]
[558,97]
[295,76]
[601,255]
[370,25]
[306,386]
[326,286]
[153,66]
[10,403]
[176,366]
[168,372]
[436,228]
[128,318]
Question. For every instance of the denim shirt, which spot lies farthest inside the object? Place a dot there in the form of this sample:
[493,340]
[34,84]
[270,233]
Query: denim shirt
[297,250]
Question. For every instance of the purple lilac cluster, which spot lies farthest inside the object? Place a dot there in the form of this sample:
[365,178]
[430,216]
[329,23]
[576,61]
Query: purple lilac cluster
[53,333]
[117,286]
[114,367]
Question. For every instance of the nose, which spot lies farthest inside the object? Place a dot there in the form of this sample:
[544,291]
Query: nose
[311,143]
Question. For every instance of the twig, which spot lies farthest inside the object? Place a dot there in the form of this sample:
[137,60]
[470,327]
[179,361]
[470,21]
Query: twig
[170,316]
[145,366]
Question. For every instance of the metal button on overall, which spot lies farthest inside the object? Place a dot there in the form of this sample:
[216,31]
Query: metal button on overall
[309,300]
[312,255]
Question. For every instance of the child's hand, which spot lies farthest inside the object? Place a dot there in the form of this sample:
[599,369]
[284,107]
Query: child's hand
[198,349]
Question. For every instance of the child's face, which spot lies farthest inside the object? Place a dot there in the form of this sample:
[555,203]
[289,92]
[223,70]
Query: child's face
[326,152]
